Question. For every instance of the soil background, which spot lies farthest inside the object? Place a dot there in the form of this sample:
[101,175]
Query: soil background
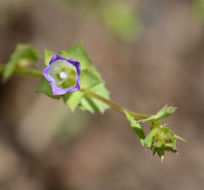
[43,146]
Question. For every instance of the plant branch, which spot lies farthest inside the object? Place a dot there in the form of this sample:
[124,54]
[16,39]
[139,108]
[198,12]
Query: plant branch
[115,106]
[38,74]
[24,72]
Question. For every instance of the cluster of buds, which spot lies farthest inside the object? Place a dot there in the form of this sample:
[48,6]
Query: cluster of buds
[160,139]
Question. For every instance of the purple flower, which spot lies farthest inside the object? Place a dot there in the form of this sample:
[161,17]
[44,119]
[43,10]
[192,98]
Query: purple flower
[63,75]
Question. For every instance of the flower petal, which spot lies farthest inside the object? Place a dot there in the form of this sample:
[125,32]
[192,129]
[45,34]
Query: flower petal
[60,91]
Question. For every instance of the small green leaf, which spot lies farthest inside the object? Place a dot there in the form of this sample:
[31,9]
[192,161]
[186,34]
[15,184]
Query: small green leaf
[46,88]
[149,140]
[74,99]
[160,151]
[48,56]
[93,70]
[85,105]
[78,53]
[136,126]
[91,104]
[161,115]
[22,52]
[88,79]
[179,138]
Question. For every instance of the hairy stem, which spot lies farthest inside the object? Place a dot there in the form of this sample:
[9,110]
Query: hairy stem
[113,105]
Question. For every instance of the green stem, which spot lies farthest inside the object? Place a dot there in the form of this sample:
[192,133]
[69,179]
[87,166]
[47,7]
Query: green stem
[113,105]
[24,72]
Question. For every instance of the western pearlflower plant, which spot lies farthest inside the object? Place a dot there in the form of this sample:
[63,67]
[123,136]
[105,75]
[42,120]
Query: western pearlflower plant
[63,75]
[70,76]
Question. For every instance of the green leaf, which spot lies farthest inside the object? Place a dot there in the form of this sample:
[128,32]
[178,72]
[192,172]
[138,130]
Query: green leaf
[136,126]
[95,72]
[161,115]
[22,52]
[149,140]
[91,104]
[92,82]
[166,131]
[46,88]
[78,53]
[160,151]
[87,104]
[88,79]
[73,99]
[179,138]
[48,56]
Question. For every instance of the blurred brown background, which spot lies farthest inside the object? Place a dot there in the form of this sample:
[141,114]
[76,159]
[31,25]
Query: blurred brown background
[43,146]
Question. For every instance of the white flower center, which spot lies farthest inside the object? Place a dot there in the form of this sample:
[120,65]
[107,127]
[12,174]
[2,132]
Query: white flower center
[63,75]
